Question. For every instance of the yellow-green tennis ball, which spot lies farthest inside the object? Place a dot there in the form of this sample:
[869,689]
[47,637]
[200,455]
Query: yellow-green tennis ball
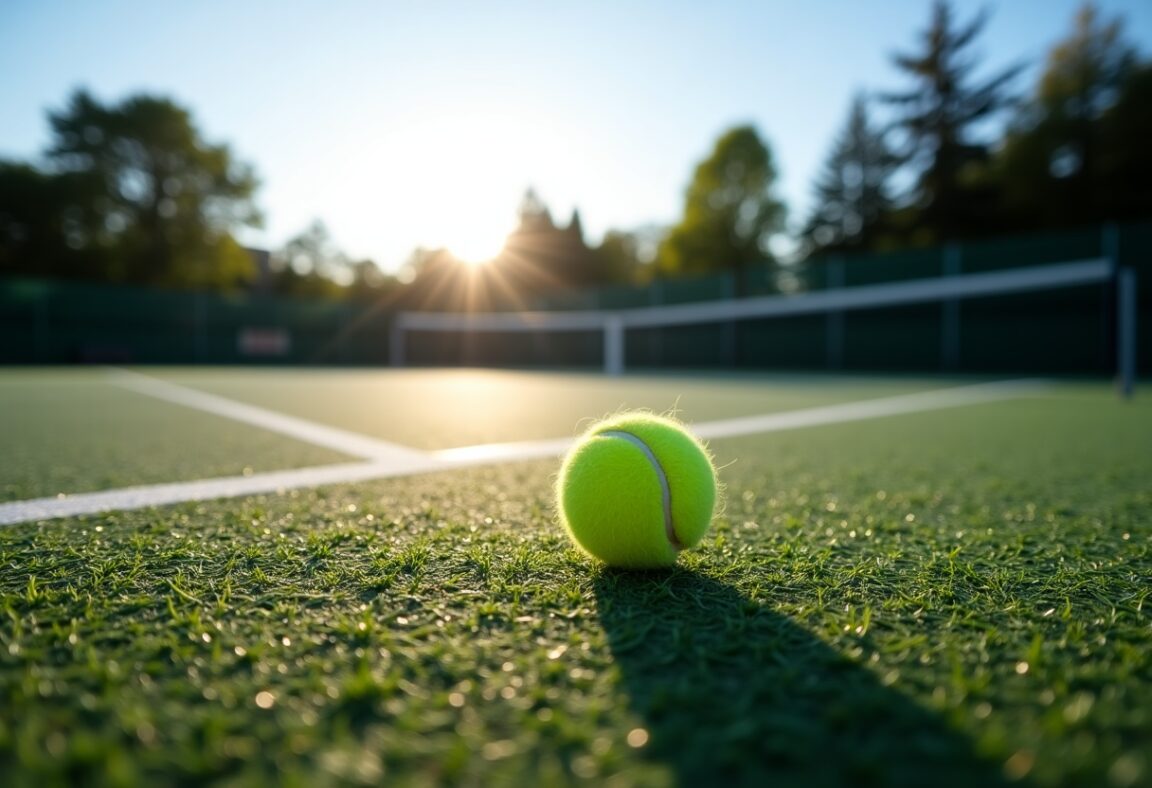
[636,489]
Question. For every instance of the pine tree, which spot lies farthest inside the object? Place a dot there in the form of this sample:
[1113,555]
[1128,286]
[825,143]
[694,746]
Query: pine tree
[940,114]
[540,255]
[1065,160]
[852,192]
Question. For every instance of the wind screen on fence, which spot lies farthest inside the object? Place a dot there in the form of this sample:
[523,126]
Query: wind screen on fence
[1069,329]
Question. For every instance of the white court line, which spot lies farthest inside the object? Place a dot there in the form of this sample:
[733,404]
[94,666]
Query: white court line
[422,462]
[145,496]
[503,452]
[871,409]
[350,443]
[772,422]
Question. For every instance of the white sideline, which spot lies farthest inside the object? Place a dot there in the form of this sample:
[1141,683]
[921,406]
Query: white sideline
[399,461]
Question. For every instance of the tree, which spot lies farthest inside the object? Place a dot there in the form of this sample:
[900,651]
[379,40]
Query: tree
[540,256]
[165,202]
[730,211]
[1066,159]
[1127,159]
[314,251]
[534,215]
[1086,72]
[370,283]
[40,227]
[852,192]
[311,265]
[624,256]
[940,115]
[439,282]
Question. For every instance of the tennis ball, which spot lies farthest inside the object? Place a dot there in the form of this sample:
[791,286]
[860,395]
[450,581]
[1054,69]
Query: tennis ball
[636,489]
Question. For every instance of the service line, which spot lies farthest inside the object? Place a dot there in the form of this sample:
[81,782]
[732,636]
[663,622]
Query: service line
[388,460]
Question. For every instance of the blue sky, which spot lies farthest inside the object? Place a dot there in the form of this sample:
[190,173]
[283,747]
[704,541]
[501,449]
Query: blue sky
[405,124]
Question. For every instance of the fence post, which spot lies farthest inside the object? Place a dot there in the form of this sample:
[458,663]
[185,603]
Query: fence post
[1126,331]
[42,331]
[1111,320]
[656,334]
[733,287]
[950,312]
[834,322]
[1110,243]
[199,343]
[468,346]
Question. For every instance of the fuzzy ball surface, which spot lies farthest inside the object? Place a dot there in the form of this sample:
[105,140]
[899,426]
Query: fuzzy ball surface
[636,489]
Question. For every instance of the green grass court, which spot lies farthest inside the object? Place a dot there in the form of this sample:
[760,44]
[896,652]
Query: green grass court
[953,597]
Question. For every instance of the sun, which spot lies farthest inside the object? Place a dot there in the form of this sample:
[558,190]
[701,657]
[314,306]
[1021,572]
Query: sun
[476,242]
[461,172]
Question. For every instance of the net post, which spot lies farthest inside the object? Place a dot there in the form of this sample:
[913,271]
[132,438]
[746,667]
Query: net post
[396,342]
[1125,332]
[613,345]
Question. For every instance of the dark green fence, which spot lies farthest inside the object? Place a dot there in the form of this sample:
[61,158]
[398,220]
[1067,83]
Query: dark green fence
[57,322]
[1070,330]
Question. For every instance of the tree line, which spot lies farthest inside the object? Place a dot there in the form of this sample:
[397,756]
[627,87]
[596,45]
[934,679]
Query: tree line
[1073,150]
[131,192]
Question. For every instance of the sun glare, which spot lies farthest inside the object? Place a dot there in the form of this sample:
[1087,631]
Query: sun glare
[475,245]
[462,174]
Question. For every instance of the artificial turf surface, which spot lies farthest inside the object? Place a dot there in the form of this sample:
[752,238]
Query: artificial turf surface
[447,408]
[71,431]
[948,598]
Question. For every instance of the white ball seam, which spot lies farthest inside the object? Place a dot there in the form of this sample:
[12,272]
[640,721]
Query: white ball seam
[661,477]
